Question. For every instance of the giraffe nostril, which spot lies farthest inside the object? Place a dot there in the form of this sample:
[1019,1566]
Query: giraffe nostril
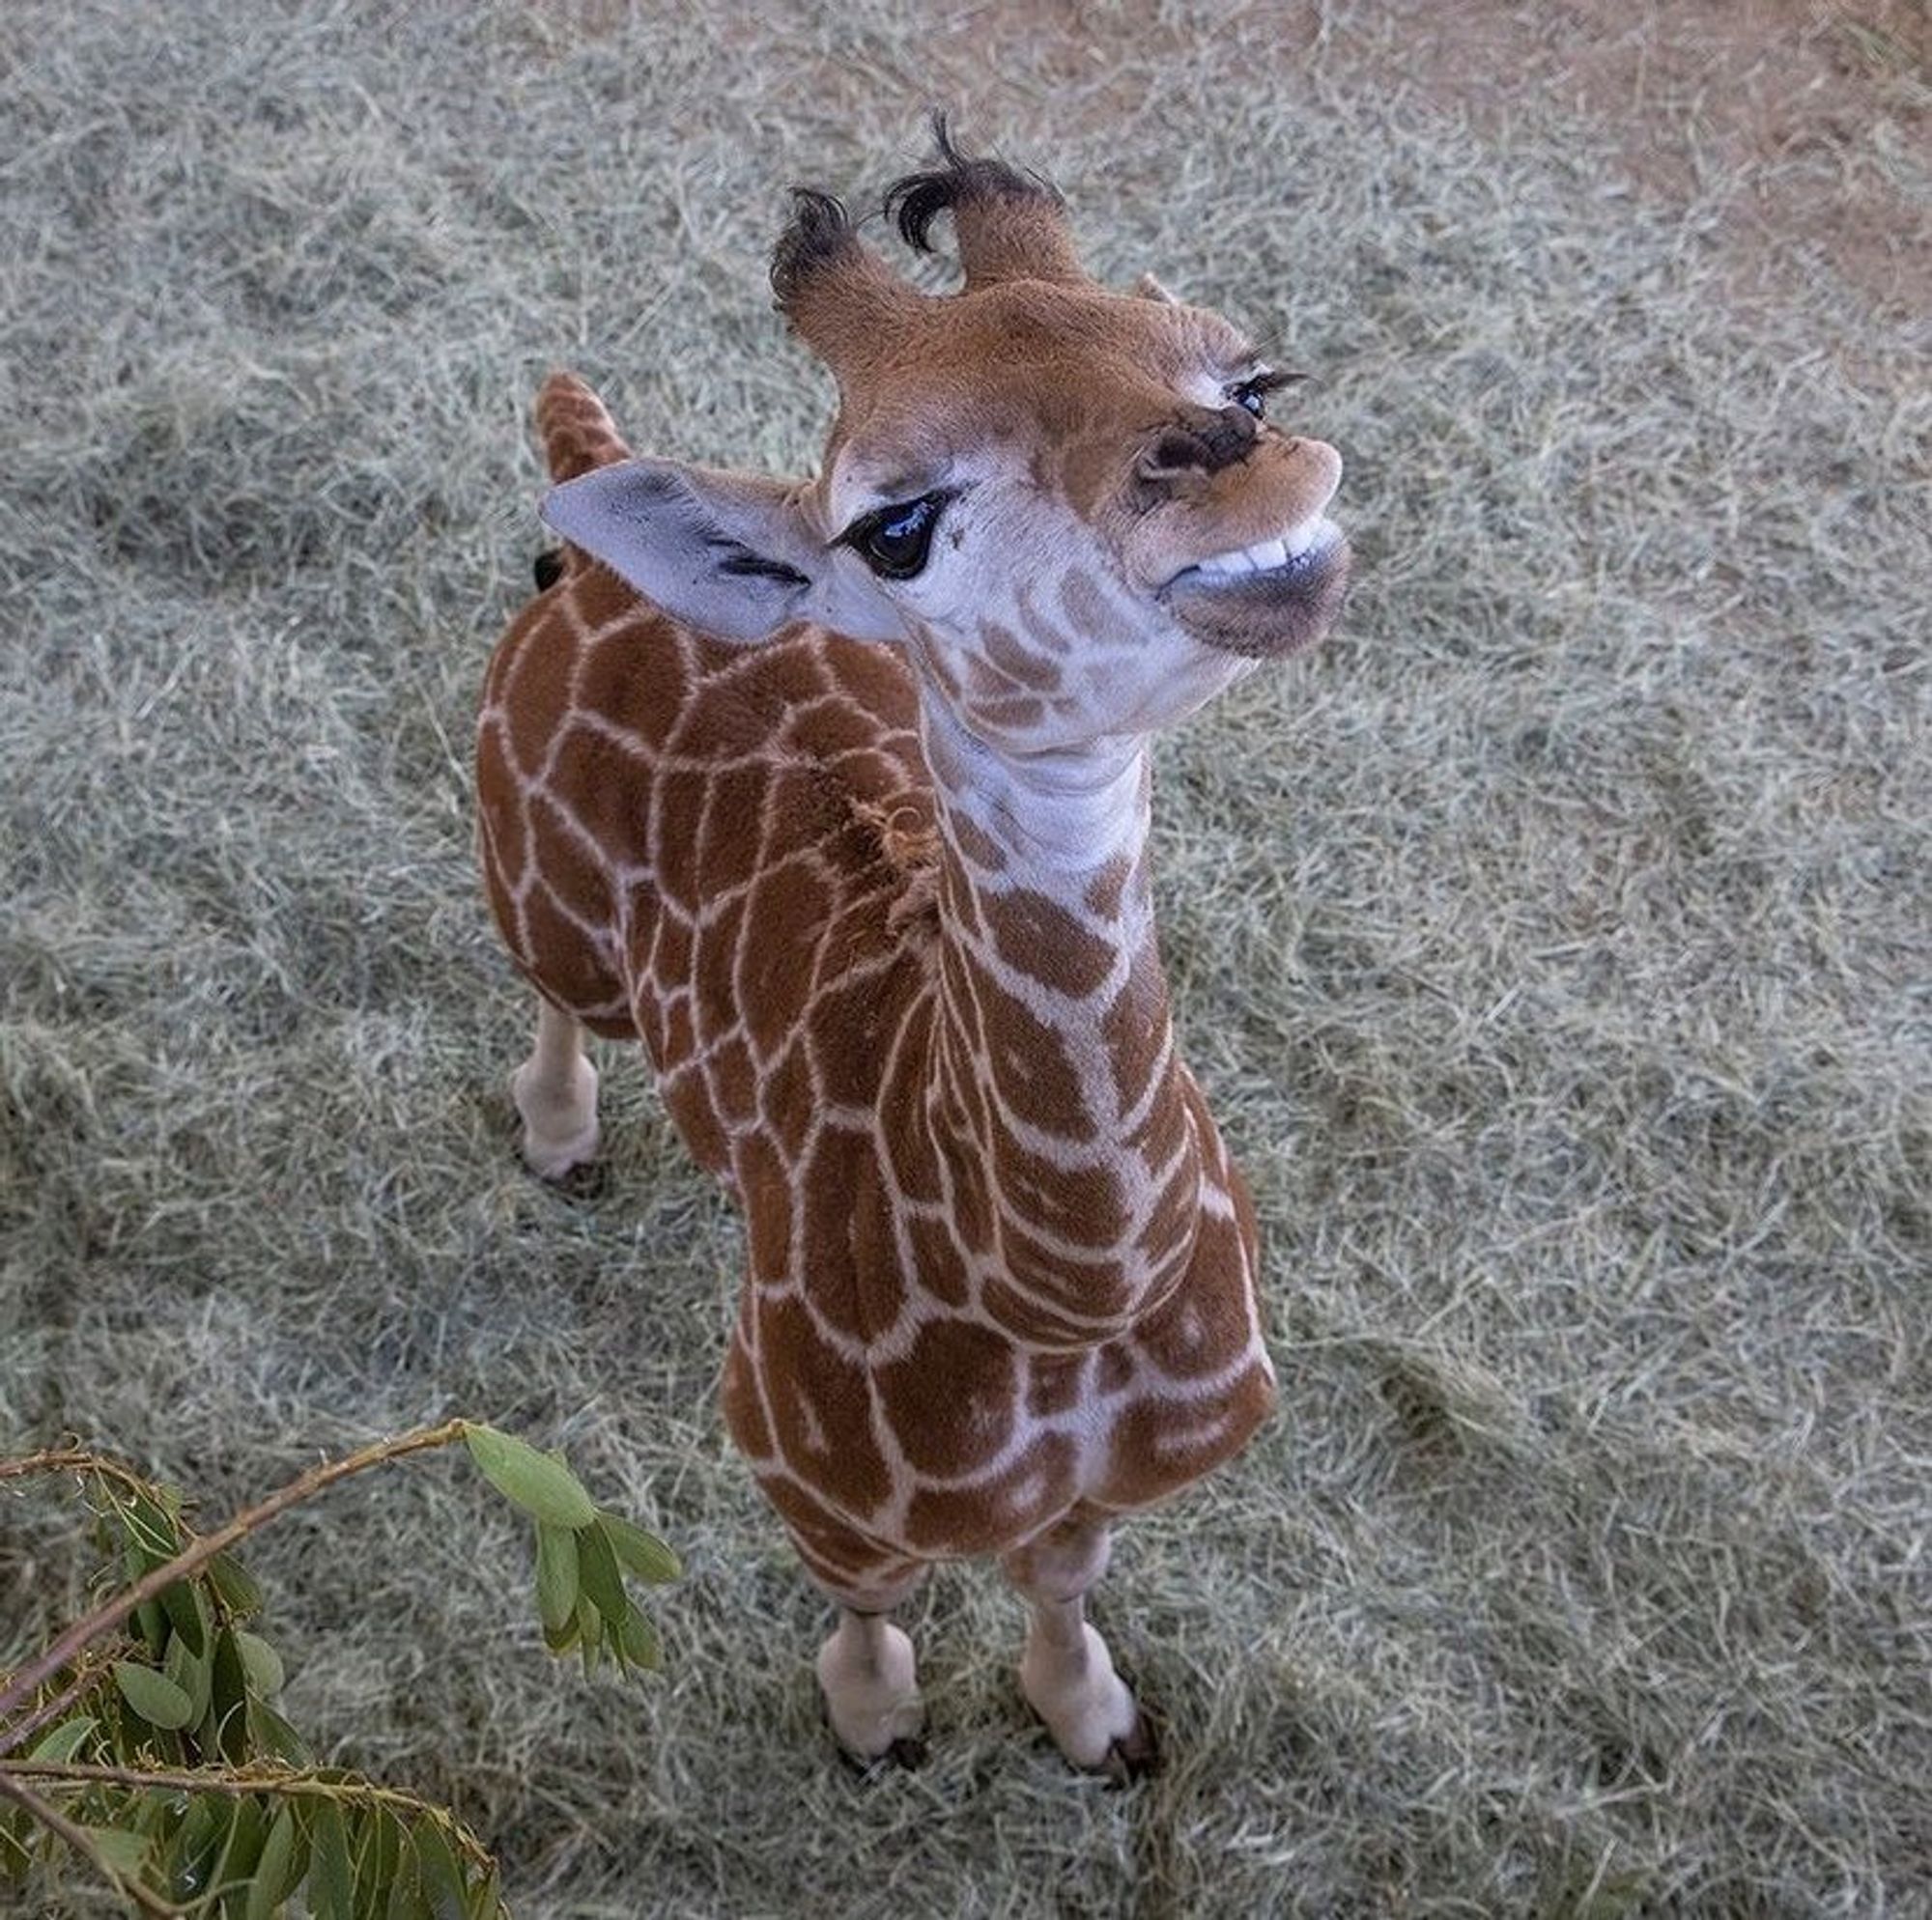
[1177,451]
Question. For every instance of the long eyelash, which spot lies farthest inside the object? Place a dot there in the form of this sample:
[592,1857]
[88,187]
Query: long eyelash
[1272,380]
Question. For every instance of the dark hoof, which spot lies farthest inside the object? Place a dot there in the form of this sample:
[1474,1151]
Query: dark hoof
[1135,1756]
[906,1755]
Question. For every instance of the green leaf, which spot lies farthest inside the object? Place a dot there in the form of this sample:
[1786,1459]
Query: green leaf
[153,1626]
[443,1881]
[234,1870]
[378,1860]
[155,1698]
[639,1552]
[545,1488]
[187,1614]
[407,1899]
[274,1734]
[636,1641]
[127,1853]
[204,1837]
[149,1522]
[192,1674]
[273,1876]
[556,1576]
[228,1698]
[236,1585]
[597,1569]
[63,1742]
[589,1633]
[266,1675]
[331,1885]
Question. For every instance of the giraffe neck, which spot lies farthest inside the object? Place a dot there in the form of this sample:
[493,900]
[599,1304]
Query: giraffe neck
[1059,1101]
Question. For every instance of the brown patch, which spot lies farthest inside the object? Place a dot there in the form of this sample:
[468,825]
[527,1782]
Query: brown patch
[1081,1205]
[1107,891]
[821,1408]
[744,1415]
[667,957]
[1018,662]
[536,695]
[850,1265]
[1022,712]
[1085,605]
[714,972]
[988,1517]
[1136,1029]
[963,1424]
[1054,1383]
[1042,939]
[784,924]
[1054,1319]
[564,867]
[678,819]
[764,1182]
[1161,1445]
[1117,1366]
[903,1121]
[571,967]
[788,1099]
[688,1101]
[1032,1075]
[938,1267]
[853,1028]
[731,840]
[1171,1228]
[1204,1323]
[977,849]
[735,1082]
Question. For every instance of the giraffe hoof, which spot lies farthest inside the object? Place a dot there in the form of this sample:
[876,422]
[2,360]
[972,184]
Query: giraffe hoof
[906,1755]
[1134,1756]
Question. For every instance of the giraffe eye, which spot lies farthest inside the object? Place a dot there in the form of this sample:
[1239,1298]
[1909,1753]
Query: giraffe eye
[895,541]
[1253,392]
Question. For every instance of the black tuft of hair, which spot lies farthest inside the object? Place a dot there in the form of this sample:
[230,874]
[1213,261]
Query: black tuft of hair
[819,230]
[914,203]
[548,567]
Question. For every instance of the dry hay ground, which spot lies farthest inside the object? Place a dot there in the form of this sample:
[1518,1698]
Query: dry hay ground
[1555,943]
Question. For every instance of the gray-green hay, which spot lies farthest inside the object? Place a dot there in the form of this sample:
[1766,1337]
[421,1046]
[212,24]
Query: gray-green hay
[1555,945]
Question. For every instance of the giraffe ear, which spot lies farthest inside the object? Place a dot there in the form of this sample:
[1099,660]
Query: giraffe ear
[732,555]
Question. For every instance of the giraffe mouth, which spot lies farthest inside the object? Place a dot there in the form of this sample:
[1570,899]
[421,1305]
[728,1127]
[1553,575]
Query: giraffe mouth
[1275,597]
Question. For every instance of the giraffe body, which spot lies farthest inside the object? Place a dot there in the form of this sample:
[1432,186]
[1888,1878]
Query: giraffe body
[881,916]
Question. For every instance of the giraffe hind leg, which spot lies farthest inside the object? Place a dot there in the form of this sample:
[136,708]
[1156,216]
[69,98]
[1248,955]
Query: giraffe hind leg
[1067,1672]
[556,1091]
[867,1669]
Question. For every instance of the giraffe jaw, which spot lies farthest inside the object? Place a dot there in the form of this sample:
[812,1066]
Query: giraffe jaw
[1273,598]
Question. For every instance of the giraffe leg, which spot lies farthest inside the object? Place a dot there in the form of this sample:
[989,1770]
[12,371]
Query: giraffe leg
[556,1091]
[1067,1672]
[870,1682]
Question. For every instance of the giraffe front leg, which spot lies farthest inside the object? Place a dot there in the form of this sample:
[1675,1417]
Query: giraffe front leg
[556,1091]
[870,1681]
[1067,1672]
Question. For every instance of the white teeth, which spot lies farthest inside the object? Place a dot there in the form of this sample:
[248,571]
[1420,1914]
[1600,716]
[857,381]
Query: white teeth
[1266,556]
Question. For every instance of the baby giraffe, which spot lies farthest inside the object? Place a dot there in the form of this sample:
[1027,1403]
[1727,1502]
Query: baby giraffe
[834,792]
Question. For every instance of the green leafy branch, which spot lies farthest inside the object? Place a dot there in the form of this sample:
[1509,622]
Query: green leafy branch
[144,1738]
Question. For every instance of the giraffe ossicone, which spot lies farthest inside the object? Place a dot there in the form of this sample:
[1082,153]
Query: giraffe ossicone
[835,793]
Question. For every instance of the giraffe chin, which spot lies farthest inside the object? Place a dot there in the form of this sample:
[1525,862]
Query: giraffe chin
[1264,615]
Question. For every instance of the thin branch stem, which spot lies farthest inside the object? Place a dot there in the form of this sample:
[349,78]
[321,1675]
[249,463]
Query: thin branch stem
[83,1683]
[82,1843]
[22,1685]
[240,1784]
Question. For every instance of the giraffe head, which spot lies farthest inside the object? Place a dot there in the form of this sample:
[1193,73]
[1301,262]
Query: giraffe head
[1065,503]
